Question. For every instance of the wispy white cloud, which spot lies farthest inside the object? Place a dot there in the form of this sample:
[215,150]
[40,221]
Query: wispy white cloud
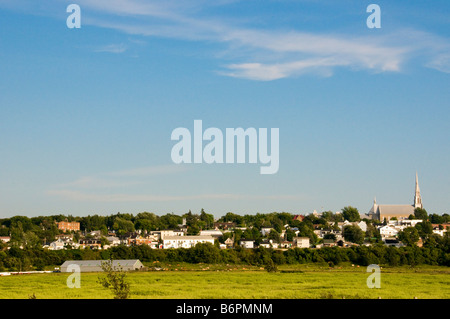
[112,48]
[149,171]
[285,54]
[123,178]
[259,54]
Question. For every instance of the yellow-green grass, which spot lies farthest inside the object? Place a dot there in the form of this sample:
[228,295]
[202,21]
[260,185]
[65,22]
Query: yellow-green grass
[298,282]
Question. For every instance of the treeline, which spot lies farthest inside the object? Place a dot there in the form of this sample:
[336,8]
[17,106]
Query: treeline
[16,259]
[36,231]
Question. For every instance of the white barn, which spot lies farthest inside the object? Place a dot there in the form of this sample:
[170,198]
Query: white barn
[96,265]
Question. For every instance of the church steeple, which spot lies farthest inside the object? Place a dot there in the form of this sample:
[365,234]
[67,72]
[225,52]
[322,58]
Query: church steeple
[417,197]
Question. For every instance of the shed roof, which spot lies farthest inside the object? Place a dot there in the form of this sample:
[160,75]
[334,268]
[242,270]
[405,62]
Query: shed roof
[98,263]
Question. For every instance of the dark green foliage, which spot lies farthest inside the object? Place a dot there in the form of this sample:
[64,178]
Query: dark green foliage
[17,259]
[353,234]
[271,266]
[351,214]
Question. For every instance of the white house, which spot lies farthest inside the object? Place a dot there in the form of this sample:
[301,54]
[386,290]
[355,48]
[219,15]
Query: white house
[362,224]
[211,232]
[388,231]
[265,231]
[440,232]
[185,241]
[57,245]
[409,222]
[247,243]
[161,234]
[265,244]
[62,244]
[301,242]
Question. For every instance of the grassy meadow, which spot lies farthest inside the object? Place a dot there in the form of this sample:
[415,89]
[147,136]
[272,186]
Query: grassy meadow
[185,281]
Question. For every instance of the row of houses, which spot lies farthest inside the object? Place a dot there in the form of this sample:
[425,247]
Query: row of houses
[166,239]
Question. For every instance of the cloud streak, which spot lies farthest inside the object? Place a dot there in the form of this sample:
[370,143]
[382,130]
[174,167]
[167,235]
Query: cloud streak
[261,54]
[285,54]
[123,178]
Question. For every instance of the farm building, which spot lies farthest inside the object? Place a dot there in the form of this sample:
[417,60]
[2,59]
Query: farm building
[96,265]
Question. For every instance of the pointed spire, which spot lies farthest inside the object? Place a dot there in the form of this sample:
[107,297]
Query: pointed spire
[417,184]
[417,197]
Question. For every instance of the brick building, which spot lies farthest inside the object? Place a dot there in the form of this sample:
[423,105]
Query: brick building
[67,226]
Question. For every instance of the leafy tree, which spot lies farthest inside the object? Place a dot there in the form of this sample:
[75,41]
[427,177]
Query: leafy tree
[353,234]
[207,219]
[270,266]
[437,219]
[329,236]
[123,226]
[275,236]
[409,236]
[424,228]
[420,213]
[290,235]
[351,214]
[205,253]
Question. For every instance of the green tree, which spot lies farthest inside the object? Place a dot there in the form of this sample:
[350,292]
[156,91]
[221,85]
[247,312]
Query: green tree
[351,214]
[207,219]
[270,266]
[409,236]
[424,228]
[353,234]
[123,226]
[420,213]
[275,236]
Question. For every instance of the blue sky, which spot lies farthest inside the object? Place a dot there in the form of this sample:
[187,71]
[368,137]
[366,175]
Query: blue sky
[86,114]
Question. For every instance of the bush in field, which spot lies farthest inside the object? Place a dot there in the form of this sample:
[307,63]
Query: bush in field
[115,280]
[271,266]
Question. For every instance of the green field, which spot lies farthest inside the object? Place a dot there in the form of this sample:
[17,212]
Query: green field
[181,281]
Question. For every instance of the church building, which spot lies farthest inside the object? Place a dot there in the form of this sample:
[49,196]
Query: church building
[381,212]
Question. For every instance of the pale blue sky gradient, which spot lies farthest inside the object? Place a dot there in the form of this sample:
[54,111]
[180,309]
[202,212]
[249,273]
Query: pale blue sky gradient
[86,114]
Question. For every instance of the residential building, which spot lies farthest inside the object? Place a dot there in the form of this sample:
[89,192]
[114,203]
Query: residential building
[224,225]
[137,240]
[68,226]
[265,231]
[299,217]
[388,231]
[161,234]
[91,243]
[301,242]
[185,241]
[285,244]
[247,243]
[229,242]
[329,243]
[211,232]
